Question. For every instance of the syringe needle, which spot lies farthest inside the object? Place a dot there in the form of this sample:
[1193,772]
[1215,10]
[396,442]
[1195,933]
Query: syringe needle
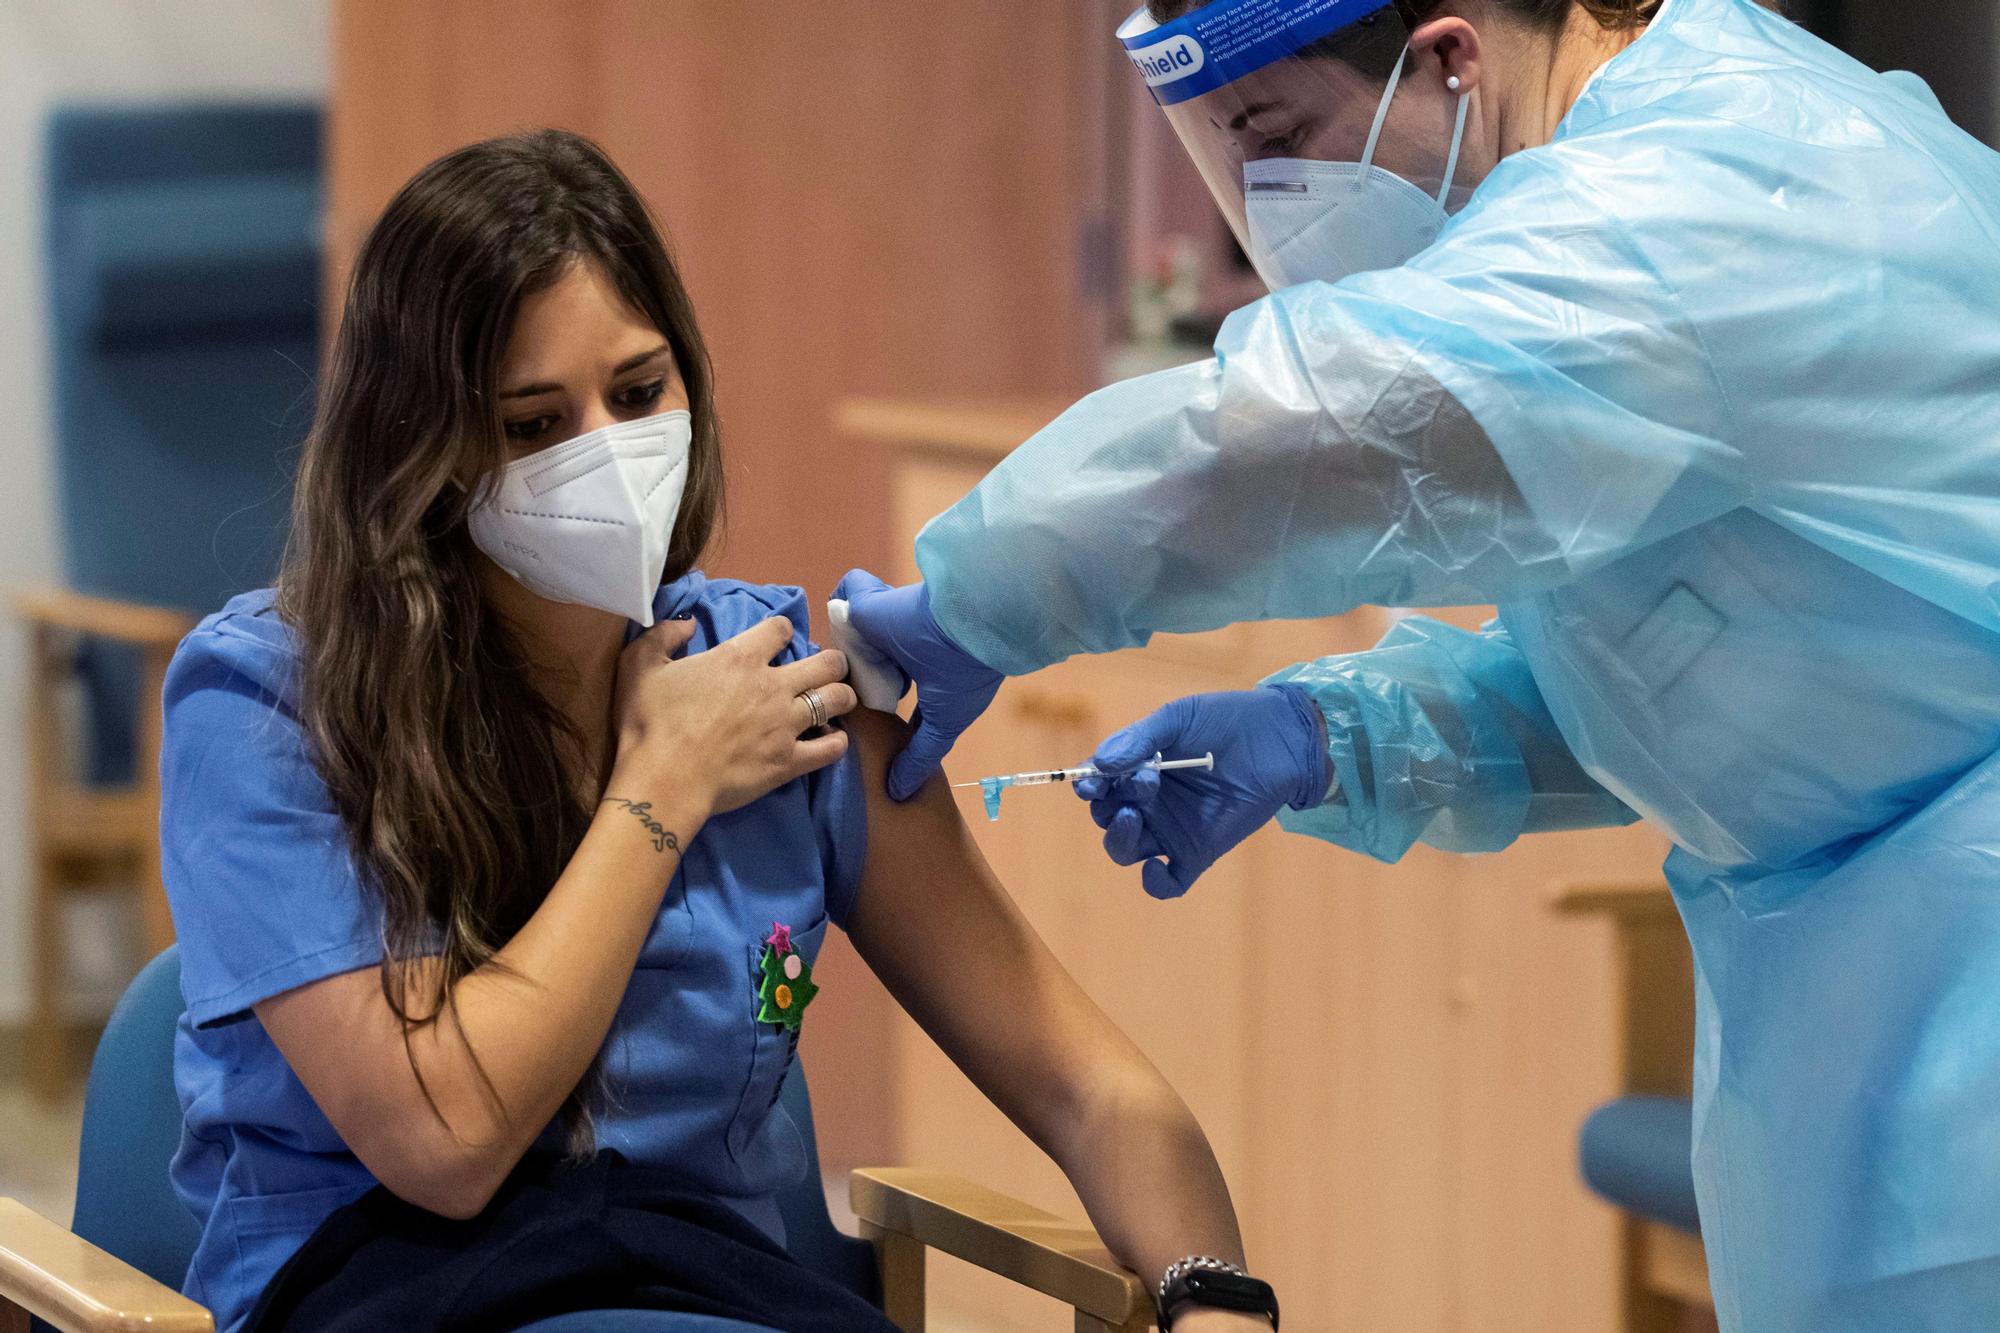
[1043,776]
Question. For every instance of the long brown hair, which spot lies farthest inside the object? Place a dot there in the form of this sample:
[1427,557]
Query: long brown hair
[447,766]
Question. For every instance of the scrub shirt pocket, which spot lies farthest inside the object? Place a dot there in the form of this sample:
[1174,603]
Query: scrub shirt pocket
[772,1050]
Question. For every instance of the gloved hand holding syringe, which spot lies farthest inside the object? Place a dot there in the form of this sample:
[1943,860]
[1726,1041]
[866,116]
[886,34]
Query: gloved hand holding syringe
[991,788]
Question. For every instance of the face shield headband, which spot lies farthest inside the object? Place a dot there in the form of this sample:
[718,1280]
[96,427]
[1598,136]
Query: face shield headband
[1214,46]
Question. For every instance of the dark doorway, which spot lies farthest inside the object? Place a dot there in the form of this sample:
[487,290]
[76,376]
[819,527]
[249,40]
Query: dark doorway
[1953,44]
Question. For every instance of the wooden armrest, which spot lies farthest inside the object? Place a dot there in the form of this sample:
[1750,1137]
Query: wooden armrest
[128,622]
[1642,901]
[79,1288]
[1039,1250]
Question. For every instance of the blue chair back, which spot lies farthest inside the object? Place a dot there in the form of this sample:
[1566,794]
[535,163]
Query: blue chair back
[132,1127]
[184,281]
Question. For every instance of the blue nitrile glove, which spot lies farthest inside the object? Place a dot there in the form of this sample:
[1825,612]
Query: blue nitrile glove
[953,686]
[1270,751]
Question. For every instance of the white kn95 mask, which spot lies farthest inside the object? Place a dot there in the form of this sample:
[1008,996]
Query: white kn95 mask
[589,521]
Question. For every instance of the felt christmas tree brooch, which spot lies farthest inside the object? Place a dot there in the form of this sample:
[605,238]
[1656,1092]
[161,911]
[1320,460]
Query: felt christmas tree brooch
[784,981]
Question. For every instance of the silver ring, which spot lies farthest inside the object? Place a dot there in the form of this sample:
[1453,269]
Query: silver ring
[818,707]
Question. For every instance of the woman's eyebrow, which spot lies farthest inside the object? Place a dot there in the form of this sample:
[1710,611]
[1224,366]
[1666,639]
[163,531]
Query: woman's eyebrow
[1241,120]
[530,390]
[634,362]
[629,363]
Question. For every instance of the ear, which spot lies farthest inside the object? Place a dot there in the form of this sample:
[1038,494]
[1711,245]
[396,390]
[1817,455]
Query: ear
[1449,48]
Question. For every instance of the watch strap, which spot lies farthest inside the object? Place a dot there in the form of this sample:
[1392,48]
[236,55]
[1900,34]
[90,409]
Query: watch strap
[1205,1282]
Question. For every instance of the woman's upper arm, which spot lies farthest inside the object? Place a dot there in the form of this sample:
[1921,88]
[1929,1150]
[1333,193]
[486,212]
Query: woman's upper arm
[271,917]
[940,932]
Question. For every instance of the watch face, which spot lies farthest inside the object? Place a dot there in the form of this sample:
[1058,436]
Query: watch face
[1227,1291]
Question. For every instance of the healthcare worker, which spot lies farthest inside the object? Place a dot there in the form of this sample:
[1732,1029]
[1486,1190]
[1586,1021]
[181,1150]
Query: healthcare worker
[1676,333]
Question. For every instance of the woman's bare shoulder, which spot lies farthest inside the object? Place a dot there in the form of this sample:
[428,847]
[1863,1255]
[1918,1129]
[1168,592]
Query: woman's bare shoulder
[876,737]
[926,828]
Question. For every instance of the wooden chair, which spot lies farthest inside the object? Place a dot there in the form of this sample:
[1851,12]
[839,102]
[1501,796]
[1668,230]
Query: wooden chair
[906,1213]
[1666,1270]
[83,836]
[131,1237]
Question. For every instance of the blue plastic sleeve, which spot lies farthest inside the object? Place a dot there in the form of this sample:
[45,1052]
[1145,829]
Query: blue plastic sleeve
[1440,736]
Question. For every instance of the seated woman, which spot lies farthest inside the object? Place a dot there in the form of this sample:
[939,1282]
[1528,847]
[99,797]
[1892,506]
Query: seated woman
[497,914]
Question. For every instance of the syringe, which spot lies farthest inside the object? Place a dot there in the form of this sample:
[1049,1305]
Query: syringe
[992,787]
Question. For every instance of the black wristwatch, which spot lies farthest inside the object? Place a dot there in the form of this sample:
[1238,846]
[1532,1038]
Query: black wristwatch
[1199,1282]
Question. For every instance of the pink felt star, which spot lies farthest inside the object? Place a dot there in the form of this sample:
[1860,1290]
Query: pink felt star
[780,938]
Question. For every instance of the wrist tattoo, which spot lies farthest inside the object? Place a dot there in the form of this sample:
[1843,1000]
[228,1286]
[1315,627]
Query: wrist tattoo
[663,838]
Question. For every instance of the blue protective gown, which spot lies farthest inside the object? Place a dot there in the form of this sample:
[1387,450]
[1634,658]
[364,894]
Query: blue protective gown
[1706,395]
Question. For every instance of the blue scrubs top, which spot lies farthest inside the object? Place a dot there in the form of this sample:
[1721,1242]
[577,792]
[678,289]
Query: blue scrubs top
[265,899]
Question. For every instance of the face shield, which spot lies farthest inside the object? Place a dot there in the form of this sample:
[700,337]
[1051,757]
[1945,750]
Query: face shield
[1273,101]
